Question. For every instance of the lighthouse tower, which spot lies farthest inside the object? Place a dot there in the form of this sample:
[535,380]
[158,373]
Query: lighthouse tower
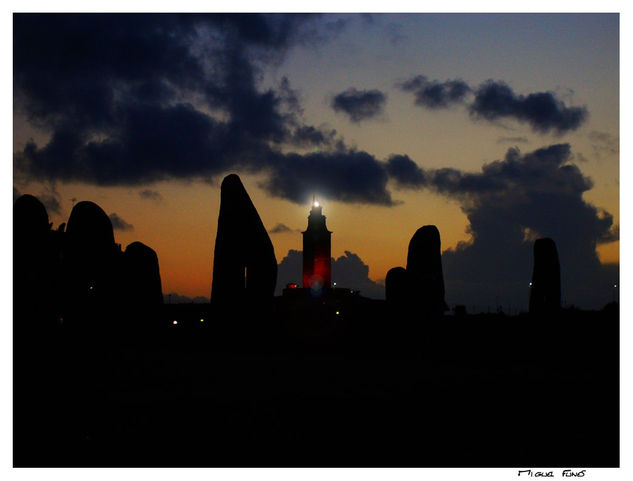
[317,247]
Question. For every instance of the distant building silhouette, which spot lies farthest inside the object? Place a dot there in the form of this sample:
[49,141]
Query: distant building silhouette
[317,247]
[545,285]
[244,265]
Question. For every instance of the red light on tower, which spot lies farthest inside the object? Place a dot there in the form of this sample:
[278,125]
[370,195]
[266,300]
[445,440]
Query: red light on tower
[317,246]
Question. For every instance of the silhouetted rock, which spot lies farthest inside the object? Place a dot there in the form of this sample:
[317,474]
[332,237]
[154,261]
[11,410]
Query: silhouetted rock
[244,265]
[396,288]
[141,274]
[545,285]
[424,271]
[91,264]
[35,297]
[30,220]
[317,247]
[35,265]
[89,227]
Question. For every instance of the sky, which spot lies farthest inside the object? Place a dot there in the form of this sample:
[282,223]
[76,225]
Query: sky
[498,129]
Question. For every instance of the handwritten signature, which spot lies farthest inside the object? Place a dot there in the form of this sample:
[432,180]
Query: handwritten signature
[566,473]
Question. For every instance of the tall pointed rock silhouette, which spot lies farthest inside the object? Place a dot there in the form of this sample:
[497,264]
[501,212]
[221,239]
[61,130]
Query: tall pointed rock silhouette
[244,265]
[424,270]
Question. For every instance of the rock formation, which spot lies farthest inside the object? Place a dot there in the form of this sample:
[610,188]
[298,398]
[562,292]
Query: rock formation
[35,264]
[419,289]
[424,271]
[92,272]
[396,286]
[244,265]
[141,276]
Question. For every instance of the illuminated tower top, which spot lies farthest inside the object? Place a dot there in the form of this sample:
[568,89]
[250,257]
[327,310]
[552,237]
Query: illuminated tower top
[316,219]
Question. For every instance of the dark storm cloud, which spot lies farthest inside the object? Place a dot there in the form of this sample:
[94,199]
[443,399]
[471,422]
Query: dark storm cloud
[508,204]
[347,176]
[434,94]
[119,224]
[151,143]
[151,195]
[111,85]
[494,100]
[348,271]
[132,99]
[359,105]
[405,172]
[542,110]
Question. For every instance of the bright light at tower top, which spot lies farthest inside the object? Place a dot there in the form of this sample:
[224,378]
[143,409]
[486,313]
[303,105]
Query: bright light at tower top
[315,204]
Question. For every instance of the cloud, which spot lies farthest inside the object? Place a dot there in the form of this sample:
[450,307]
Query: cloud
[289,270]
[541,110]
[158,97]
[308,135]
[359,105]
[612,235]
[281,229]
[508,204]
[346,176]
[433,94]
[347,271]
[405,172]
[350,271]
[494,100]
[151,195]
[119,224]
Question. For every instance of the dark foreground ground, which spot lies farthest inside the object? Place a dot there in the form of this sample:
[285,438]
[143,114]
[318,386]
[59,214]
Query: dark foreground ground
[301,385]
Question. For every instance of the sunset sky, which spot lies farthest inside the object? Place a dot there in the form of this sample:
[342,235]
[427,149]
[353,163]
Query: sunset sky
[498,129]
